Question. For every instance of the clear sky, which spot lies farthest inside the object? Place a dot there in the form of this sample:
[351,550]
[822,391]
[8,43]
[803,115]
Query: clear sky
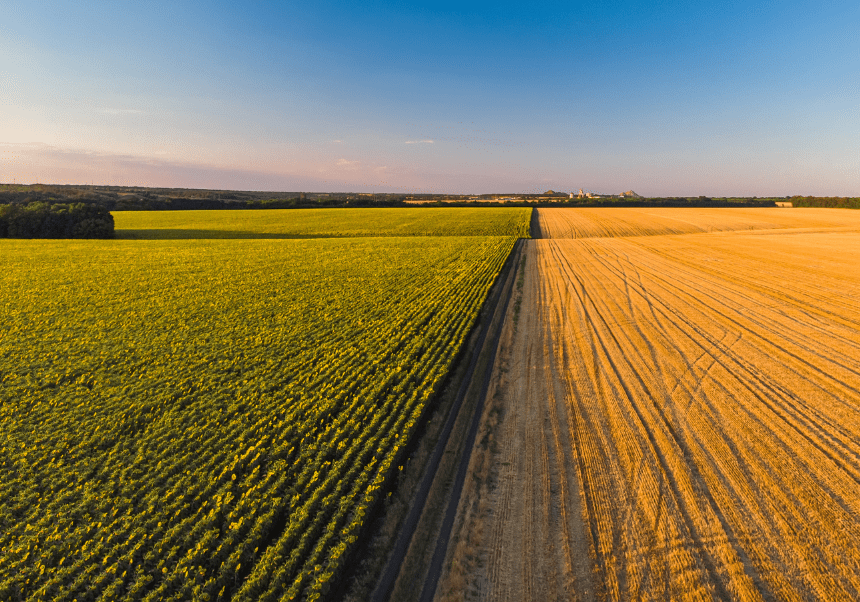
[662,97]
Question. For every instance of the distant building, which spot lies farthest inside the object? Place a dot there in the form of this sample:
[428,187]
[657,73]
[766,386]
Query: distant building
[588,195]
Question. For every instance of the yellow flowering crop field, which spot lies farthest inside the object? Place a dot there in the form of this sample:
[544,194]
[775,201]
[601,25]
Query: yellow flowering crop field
[214,419]
[316,223]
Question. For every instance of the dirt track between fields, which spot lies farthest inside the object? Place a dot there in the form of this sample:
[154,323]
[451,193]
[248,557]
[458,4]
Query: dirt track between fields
[673,417]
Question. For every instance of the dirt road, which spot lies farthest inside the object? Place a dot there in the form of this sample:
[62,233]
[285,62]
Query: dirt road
[673,417]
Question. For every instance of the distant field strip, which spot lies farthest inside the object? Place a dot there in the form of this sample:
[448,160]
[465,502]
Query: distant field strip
[322,223]
[213,419]
[616,222]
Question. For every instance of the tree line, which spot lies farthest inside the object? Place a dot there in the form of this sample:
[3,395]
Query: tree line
[827,201]
[128,198]
[136,198]
[58,220]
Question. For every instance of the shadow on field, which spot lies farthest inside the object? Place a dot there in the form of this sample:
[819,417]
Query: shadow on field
[188,234]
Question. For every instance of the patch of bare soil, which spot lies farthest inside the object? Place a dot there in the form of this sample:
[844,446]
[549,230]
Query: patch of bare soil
[519,533]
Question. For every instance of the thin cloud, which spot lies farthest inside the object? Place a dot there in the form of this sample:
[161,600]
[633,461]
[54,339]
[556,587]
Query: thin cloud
[37,162]
[348,164]
[108,111]
[420,142]
[337,141]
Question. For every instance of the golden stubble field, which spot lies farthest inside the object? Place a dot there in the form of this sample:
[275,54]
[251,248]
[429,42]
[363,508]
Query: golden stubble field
[673,416]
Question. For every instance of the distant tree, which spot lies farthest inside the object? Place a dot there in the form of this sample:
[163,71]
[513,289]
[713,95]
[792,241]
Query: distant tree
[43,220]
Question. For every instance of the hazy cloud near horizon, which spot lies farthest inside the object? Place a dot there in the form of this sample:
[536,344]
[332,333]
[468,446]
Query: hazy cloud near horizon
[32,163]
[120,111]
[40,163]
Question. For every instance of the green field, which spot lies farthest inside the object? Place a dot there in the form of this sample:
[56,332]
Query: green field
[316,223]
[213,419]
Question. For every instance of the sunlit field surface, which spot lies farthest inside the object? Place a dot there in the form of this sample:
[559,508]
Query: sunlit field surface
[192,418]
[315,223]
[681,413]
[651,221]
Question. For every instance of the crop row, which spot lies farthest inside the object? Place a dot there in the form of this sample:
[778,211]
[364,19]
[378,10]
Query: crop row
[214,420]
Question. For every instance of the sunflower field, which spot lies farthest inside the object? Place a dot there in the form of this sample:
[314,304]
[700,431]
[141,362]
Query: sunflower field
[214,419]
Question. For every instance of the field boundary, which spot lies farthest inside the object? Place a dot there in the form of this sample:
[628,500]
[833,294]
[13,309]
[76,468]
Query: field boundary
[420,506]
[534,225]
[431,581]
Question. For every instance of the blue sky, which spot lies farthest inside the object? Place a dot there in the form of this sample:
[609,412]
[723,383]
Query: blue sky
[666,98]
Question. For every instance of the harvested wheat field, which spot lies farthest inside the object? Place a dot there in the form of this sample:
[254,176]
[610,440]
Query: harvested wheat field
[673,417]
[649,221]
